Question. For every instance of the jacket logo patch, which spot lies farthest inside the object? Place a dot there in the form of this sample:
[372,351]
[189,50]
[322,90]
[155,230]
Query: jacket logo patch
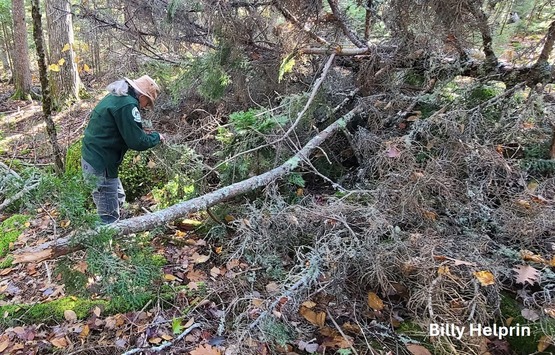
[136,115]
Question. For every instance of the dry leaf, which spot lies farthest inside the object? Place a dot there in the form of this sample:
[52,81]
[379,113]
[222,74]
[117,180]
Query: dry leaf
[374,301]
[155,340]
[430,215]
[309,304]
[97,311]
[530,314]
[189,323]
[316,318]
[81,267]
[526,273]
[151,164]
[444,270]
[527,255]
[59,342]
[215,271]
[85,332]
[70,315]
[416,349]
[524,204]
[393,152]
[4,344]
[5,271]
[486,278]
[550,311]
[196,275]
[544,343]
[205,350]
[166,337]
[509,321]
[308,347]
[193,286]
[272,287]
[170,277]
[199,259]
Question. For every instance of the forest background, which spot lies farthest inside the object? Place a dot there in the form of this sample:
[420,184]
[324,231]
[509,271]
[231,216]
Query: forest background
[338,176]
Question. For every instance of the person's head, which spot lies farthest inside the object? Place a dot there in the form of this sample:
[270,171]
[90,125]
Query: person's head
[146,90]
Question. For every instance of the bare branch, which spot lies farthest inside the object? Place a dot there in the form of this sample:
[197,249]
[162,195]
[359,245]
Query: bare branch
[346,30]
[291,18]
[474,7]
[548,45]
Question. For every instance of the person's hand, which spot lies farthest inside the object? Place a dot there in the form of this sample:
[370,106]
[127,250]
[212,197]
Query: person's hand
[162,137]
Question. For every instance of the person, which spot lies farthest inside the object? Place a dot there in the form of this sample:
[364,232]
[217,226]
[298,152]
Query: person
[115,126]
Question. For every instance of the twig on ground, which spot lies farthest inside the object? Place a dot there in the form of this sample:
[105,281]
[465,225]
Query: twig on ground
[341,332]
[164,345]
[17,196]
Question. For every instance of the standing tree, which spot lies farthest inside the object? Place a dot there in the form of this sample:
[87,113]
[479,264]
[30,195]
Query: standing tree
[21,62]
[65,81]
[46,97]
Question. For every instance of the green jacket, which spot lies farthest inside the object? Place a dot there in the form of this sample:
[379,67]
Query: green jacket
[115,126]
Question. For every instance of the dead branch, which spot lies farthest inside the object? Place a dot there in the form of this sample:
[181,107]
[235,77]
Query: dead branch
[485,30]
[291,18]
[17,196]
[342,23]
[548,45]
[165,345]
[62,246]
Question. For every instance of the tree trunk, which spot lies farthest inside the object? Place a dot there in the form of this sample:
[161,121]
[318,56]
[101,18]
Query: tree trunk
[65,83]
[62,246]
[22,64]
[46,98]
[7,46]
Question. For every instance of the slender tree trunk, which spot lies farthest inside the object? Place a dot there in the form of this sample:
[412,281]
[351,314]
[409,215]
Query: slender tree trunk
[22,64]
[8,48]
[65,83]
[46,98]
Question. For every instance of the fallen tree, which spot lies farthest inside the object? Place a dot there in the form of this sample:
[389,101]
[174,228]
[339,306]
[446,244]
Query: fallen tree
[63,246]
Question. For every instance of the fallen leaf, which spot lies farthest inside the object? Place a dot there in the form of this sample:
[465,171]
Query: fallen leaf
[486,278]
[85,332]
[4,344]
[393,152]
[316,318]
[309,304]
[308,347]
[444,270]
[416,349]
[527,255]
[97,311]
[70,315]
[530,314]
[65,223]
[199,259]
[155,340]
[193,286]
[526,274]
[215,271]
[205,350]
[189,323]
[524,203]
[5,271]
[59,342]
[81,266]
[272,287]
[374,301]
[232,264]
[196,275]
[550,311]
[169,277]
[544,343]
[509,321]
[430,215]
[166,337]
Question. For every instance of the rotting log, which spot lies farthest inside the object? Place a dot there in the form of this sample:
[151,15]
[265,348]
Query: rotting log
[62,246]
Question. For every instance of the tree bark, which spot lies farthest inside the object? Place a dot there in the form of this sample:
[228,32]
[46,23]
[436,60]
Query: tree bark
[62,246]
[65,83]
[46,97]
[22,64]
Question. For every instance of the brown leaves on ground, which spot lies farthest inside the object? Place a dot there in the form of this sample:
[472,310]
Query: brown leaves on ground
[526,274]
[205,350]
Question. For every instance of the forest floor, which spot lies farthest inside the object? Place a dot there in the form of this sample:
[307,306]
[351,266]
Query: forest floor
[192,307]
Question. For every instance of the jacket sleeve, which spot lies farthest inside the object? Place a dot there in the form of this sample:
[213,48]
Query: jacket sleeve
[128,121]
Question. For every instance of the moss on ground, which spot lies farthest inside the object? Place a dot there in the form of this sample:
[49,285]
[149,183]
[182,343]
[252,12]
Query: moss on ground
[10,229]
[53,311]
[523,344]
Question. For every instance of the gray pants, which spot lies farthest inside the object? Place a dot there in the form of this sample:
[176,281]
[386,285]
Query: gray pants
[108,195]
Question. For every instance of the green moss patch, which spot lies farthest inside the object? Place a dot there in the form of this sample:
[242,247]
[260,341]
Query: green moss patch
[523,344]
[10,229]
